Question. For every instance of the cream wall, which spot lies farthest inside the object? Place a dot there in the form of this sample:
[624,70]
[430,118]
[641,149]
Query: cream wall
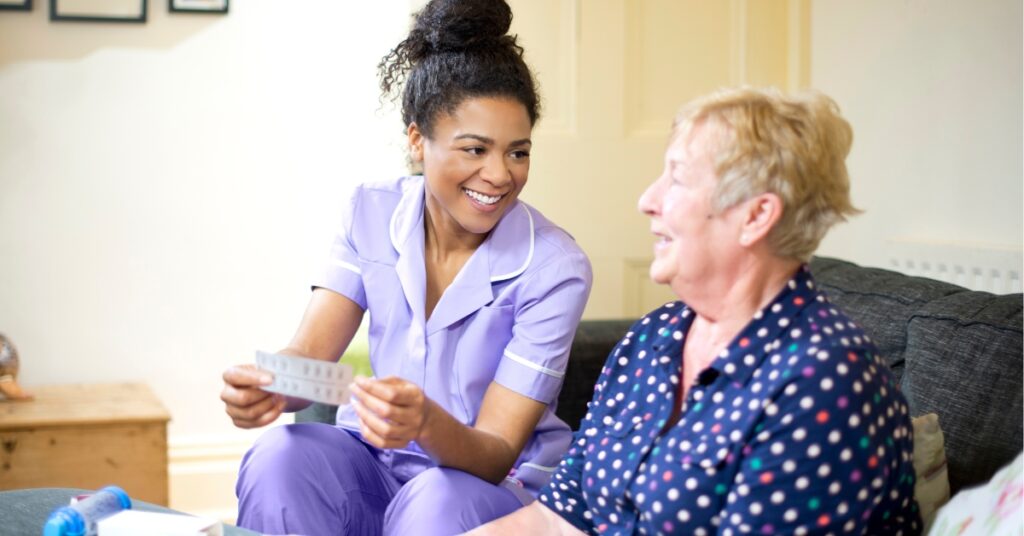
[933,90]
[167,190]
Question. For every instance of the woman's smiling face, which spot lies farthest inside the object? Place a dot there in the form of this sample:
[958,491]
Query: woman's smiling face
[694,241]
[475,163]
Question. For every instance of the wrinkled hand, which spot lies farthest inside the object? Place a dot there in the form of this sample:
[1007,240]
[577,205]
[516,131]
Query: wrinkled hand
[392,411]
[247,404]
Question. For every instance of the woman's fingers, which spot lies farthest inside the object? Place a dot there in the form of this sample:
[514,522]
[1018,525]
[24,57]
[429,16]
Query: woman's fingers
[273,414]
[241,385]
[247,375]
[392,390]
[370,436]
[247,404]
[241,397]
[381,407]
[259,414]
[379,432]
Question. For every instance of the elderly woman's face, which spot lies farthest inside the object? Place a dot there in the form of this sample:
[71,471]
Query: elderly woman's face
[693,242]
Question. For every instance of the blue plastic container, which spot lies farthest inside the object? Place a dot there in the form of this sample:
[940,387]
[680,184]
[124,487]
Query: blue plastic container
[80,518]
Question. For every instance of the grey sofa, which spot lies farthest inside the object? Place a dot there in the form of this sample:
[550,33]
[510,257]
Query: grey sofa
[954,352]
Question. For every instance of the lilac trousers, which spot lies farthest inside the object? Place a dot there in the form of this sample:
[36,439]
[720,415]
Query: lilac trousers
[314,479]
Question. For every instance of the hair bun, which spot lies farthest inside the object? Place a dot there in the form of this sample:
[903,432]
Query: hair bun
[452,25]
[457,49]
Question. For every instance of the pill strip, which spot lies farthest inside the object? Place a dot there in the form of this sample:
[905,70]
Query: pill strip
[302,377]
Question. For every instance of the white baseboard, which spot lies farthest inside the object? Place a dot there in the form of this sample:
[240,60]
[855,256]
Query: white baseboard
[202,472]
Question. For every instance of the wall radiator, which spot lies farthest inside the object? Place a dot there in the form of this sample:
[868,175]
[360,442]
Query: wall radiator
[977,267]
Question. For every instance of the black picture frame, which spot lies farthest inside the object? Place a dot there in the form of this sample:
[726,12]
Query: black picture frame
[98,15]
[22,5]
[215,7]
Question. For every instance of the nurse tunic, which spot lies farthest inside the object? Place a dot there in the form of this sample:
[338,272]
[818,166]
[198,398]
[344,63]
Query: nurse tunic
[508,316]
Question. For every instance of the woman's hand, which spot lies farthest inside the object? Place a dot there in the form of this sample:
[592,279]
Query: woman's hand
[392,411]
[247,404]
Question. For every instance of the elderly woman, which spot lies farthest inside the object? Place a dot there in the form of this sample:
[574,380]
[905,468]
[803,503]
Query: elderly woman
[752,405]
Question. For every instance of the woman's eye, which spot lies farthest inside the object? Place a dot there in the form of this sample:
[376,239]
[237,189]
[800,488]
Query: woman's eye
[520,154]
[475,151]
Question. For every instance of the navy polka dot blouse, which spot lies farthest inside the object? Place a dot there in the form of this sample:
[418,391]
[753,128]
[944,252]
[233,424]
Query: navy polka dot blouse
[796,428]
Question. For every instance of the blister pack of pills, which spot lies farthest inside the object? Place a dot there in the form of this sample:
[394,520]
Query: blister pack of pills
[302,377]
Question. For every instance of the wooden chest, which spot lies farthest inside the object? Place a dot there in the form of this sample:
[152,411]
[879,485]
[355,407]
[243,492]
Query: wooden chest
[86,436]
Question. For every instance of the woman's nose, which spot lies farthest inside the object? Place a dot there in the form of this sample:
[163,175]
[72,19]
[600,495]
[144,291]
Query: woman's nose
[496,170]
[650,200]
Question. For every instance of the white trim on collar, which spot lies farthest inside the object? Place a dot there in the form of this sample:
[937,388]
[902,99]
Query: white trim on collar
[529,255]
[391,231]
[410,212]
[406,213]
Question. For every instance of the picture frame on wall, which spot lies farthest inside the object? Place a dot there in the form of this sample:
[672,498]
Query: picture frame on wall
[16,5]
[198,6]
[98,10]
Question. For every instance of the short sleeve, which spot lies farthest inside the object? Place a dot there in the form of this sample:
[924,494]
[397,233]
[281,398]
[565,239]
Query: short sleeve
[548,310]
[341,272]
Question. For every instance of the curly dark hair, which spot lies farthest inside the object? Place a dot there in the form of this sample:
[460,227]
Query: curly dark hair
[457,49]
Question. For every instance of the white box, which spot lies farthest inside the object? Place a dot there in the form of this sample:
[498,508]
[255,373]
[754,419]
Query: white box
[135,522]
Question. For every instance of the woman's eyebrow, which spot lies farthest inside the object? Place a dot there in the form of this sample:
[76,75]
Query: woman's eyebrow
[482,139]
[488,141]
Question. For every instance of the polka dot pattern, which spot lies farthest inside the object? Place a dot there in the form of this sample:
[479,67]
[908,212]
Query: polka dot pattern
[796,428]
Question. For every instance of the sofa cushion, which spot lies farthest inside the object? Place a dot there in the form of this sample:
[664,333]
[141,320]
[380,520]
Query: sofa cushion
[590,348]
[965,363]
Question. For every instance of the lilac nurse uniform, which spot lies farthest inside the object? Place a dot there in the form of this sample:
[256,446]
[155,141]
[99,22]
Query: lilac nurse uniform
[508,317]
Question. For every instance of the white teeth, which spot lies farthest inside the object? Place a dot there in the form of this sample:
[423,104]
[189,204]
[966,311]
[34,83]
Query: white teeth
[481,198]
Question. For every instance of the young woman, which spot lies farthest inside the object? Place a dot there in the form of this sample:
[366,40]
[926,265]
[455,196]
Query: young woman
[473,299]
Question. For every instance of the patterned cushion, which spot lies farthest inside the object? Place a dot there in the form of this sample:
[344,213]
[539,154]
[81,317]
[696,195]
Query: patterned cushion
[990,510]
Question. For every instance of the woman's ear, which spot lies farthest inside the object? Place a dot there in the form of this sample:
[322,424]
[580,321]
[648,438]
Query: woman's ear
[416,139]
[763,212]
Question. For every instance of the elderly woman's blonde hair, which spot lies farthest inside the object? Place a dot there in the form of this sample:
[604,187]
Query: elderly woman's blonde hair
[792,146]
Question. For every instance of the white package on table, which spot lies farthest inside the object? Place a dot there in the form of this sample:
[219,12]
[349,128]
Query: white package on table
[135,522]
[302,377]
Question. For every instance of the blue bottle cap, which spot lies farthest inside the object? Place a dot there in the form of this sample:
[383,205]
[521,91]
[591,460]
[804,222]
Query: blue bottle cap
[122,496]
[64,522]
